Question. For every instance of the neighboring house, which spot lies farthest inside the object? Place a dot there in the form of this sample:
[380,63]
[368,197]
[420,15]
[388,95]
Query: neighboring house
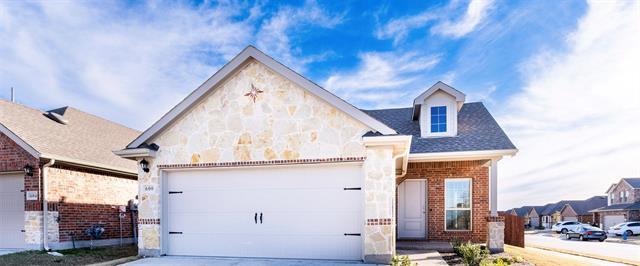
[62,159]
[578,210]
[535,217]
[623,203]
[522,212]
[269,164]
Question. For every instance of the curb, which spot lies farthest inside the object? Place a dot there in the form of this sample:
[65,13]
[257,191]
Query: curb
[116,261]
[609,259]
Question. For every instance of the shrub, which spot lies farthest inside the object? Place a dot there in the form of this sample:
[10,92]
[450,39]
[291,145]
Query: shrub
[400,261]
[472,254]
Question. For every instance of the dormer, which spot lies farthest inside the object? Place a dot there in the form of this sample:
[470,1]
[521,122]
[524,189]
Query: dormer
[437,109]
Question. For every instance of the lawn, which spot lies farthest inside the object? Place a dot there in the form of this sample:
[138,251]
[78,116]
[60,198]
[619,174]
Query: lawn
[82,256]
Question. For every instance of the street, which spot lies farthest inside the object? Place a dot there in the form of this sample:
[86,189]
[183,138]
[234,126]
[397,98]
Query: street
[602,249]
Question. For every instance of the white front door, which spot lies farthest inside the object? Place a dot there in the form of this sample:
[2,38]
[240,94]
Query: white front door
[309,212]
[412,209]
[11,211]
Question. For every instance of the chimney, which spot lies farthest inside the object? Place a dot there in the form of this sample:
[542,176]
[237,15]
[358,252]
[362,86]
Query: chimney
[13,98]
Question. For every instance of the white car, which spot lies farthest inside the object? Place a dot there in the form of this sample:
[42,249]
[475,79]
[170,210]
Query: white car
[632,228]
[564,227]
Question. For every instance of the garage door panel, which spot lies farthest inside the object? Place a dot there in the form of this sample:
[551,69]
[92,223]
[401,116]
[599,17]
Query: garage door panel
[306,212]
[11,211]
[257,245]
[611,220]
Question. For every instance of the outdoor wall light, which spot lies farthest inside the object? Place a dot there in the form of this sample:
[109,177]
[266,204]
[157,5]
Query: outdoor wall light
[144,165]
[28,170]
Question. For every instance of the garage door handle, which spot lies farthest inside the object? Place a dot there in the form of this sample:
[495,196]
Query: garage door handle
[347,234]
[255,217]
[260,218]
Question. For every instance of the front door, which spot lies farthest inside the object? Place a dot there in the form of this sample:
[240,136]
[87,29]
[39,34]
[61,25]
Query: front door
[412,209]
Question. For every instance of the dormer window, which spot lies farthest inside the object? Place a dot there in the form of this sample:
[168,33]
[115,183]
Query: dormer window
[437,109]
[438,119]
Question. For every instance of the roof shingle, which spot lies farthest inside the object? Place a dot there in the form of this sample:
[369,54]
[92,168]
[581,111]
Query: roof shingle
[85,137]
[477,130]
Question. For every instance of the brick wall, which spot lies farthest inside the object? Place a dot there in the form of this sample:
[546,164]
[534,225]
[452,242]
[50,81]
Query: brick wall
[14,158]
[85,197]
[435,173]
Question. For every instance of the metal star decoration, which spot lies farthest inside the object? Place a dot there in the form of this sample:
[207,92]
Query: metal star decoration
[253,93]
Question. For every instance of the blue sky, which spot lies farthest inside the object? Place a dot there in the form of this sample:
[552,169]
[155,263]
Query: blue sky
[549,71]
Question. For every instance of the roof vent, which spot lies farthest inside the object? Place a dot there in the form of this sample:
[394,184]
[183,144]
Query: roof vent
[57,115]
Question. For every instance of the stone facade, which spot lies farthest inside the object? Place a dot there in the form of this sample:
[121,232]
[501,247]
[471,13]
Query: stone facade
[435,174]
[33,228]
[495,241]
[379,189]
[285,122]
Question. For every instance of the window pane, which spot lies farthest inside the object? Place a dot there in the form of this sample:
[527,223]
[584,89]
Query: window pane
[442,127]
[459,220]
[434,128]
[457,192]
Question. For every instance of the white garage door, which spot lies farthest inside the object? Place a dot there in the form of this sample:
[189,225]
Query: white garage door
[569,218]
[11,211]
[311,212]
[611,220]
[535,222]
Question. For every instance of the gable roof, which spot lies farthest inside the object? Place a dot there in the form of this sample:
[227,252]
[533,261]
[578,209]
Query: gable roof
[477,130]
[582,207]
[85,139]
[229,69]
[439,86]
[522,211]
[633,182]
[537,209]
[619,207]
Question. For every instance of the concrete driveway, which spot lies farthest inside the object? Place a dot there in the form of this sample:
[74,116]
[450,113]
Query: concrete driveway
[603,249]
[182,260]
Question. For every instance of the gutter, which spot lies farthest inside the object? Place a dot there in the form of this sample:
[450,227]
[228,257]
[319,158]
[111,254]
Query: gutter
[45,207]
[460,156]
[91,165]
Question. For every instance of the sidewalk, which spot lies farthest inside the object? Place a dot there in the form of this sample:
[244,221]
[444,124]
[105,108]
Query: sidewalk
[423,257]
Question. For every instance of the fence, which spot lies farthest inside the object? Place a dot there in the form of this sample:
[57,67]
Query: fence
[513,230]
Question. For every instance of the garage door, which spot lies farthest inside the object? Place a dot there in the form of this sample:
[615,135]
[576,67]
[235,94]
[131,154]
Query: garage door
[535,222]
[311,212]
[611,220]
[11,211]
[570,219]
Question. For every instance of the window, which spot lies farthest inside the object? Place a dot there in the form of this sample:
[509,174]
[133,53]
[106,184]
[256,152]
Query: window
[626,196]
[457,193]
[438,119]
[621,196]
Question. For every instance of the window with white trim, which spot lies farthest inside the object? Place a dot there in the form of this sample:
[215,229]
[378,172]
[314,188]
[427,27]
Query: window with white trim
[457,193]
[438,119]
[621,196]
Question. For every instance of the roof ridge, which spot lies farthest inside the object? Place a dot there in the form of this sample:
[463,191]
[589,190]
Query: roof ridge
[104,119]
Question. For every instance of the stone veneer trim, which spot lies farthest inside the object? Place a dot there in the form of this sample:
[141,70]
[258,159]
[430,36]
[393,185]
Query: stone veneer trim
[261,163]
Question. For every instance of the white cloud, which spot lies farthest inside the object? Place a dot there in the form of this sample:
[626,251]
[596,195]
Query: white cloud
[273,36]
[380,76]
[107,57]
[576,121]
[398,29]
[476,12]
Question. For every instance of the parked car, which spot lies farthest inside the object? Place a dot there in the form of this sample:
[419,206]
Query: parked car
[586,232]
[564,227]
[632,228]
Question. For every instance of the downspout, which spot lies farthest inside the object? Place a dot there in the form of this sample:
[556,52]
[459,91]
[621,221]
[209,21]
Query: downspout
[45,208]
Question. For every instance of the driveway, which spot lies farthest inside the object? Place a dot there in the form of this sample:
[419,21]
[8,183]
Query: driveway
[602,249]
[182,260]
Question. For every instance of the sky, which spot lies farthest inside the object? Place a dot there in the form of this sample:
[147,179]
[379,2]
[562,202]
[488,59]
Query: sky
[561,77]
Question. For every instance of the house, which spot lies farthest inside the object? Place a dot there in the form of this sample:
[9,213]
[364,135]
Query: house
[62,159]
[535,217]
[623,200]
[578,210]
[522,212]
[565,210]
[261,162]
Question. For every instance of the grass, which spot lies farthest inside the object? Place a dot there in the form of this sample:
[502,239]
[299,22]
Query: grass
[592,256]
[539,259]
[81,256]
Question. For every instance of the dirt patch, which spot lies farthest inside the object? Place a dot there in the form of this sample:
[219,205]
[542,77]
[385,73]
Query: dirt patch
[82,256]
